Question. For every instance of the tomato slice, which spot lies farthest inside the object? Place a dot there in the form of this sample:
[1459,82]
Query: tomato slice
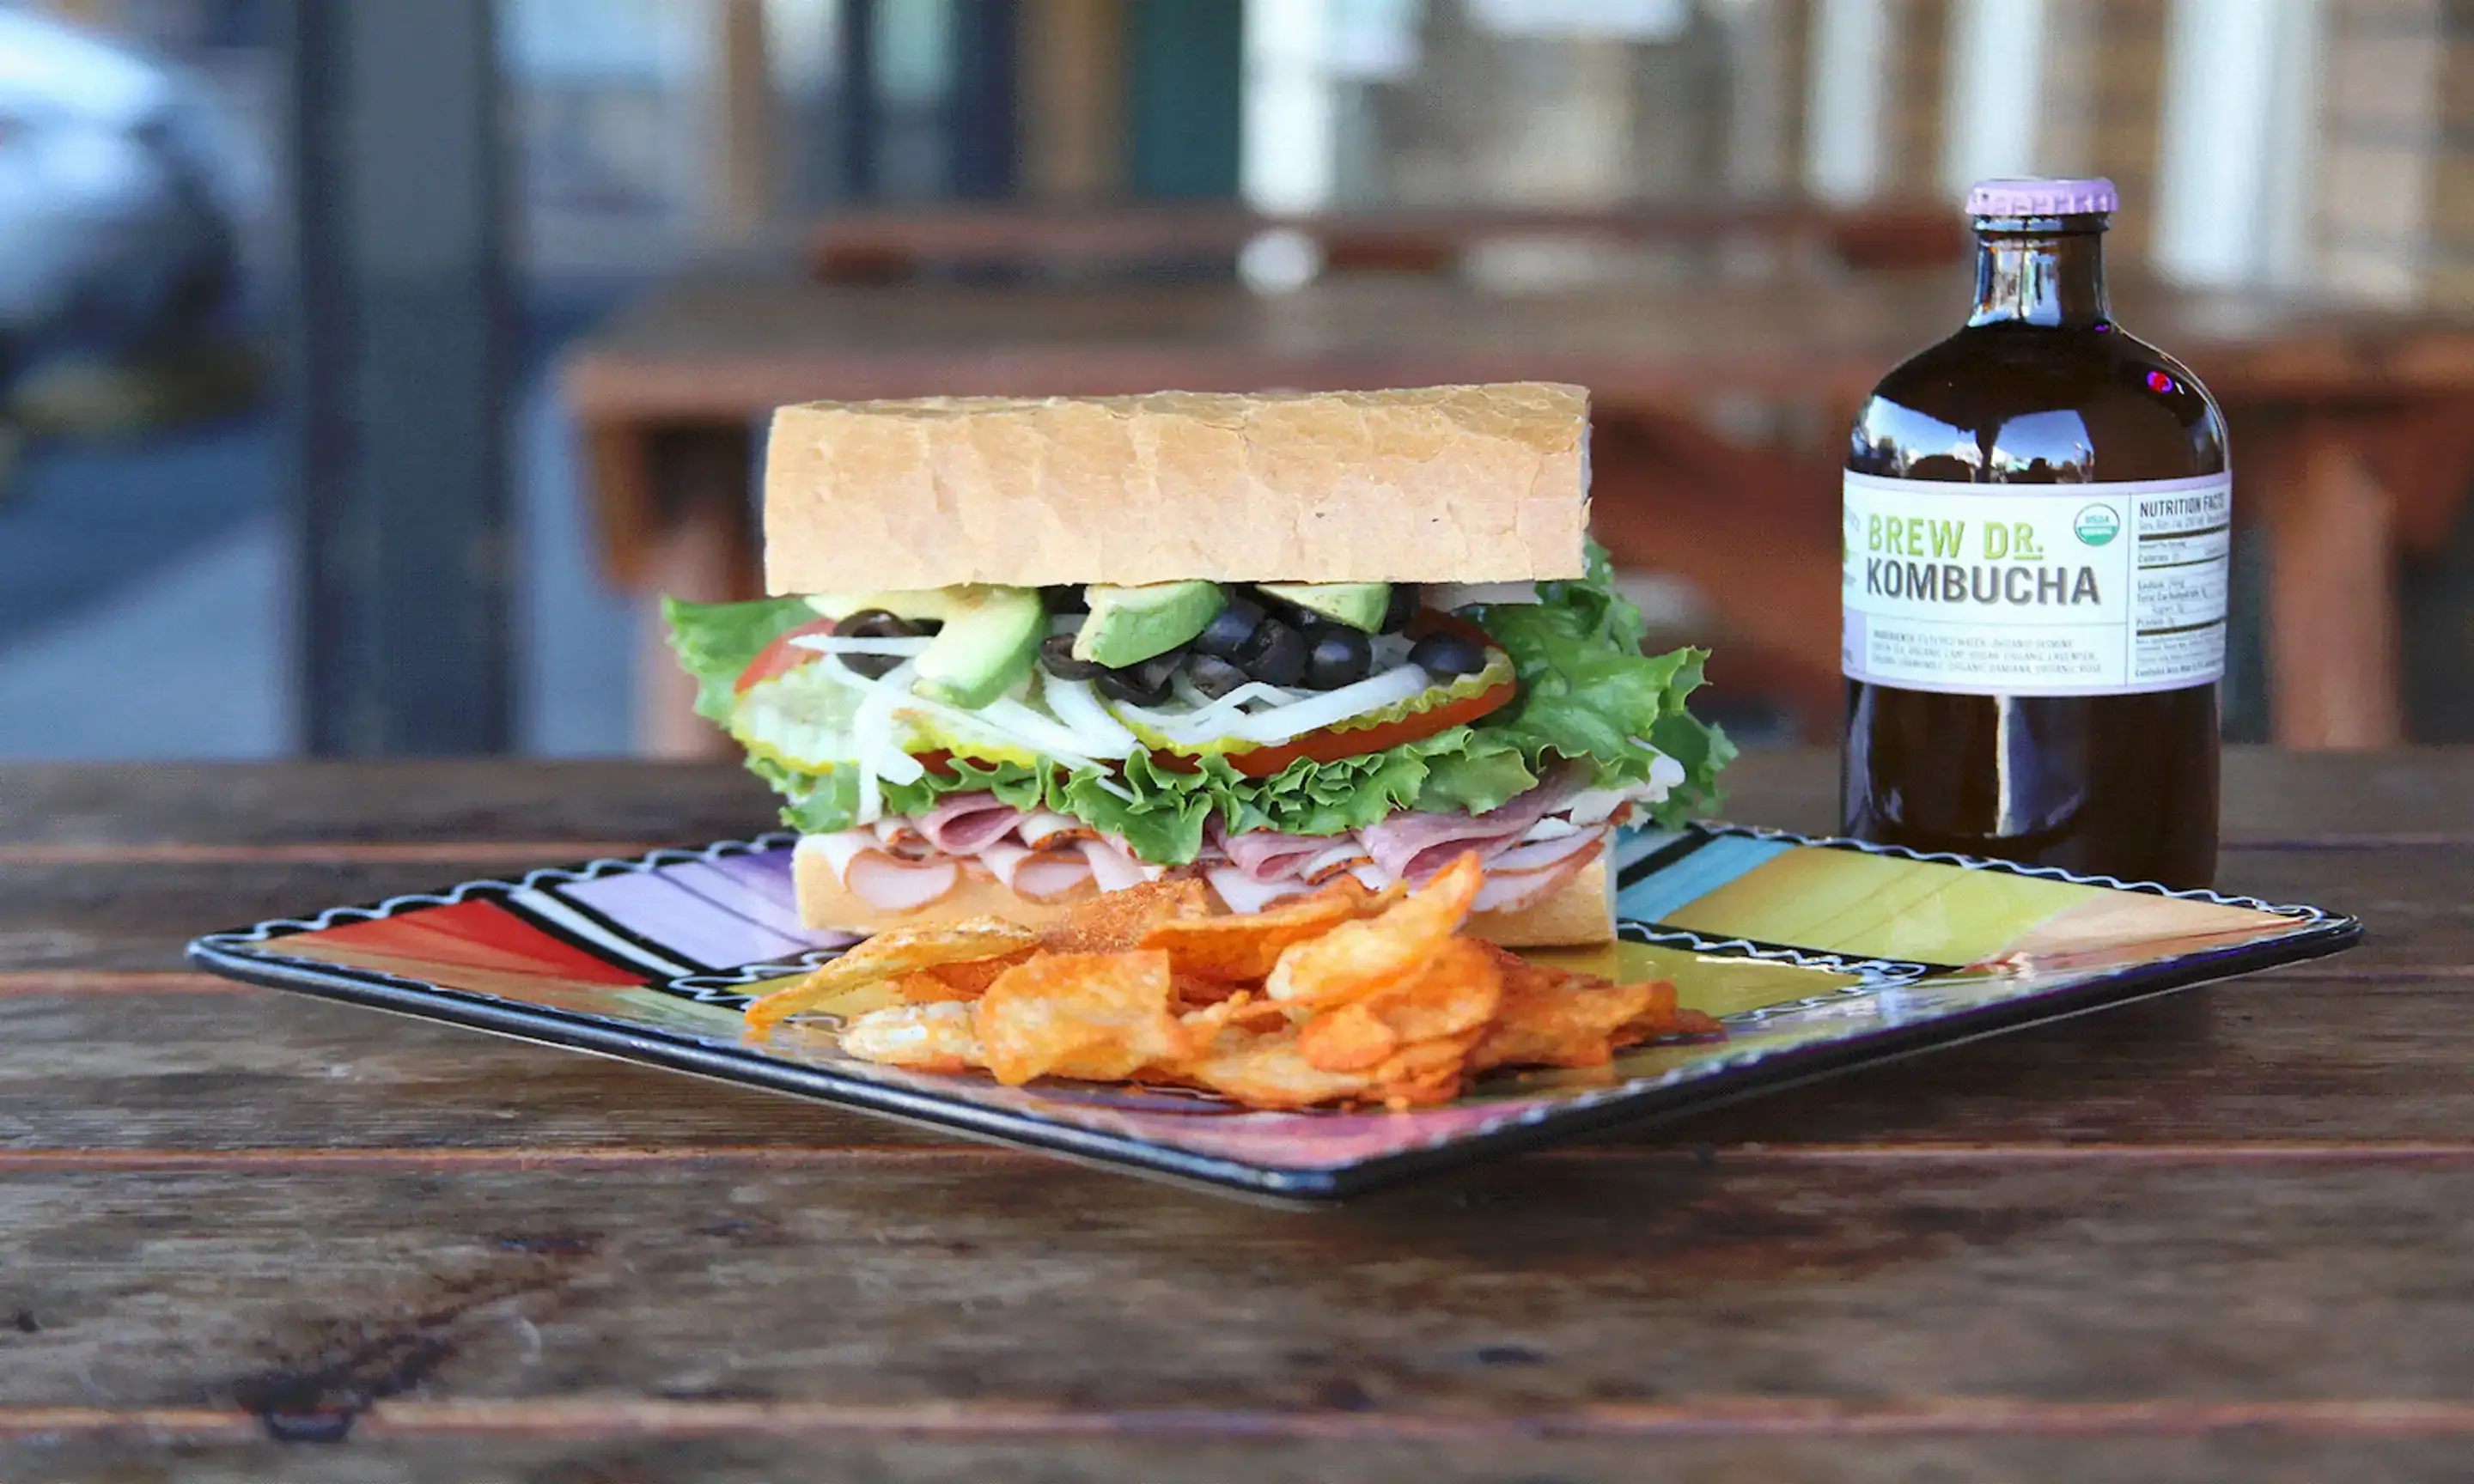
[1331,744]
[781,656]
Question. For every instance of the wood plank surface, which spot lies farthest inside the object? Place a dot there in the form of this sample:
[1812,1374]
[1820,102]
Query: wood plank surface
[384,1452]
[2271,1059]
[1539,1290]
[2218,1236]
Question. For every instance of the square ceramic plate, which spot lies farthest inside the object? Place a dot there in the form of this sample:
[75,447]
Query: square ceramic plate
[1818,956]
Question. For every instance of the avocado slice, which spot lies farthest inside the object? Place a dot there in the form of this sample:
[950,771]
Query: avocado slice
[1129,625]
[991,636]
[1358,604]
[913,603]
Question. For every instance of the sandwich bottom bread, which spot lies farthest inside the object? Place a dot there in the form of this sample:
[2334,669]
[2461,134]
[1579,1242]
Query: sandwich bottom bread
[1575,908]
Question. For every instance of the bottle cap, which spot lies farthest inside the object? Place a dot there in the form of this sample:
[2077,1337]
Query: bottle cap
[2042,198]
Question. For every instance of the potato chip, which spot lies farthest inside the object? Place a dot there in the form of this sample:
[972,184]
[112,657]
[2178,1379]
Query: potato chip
[1454,992]
[1115,921]
[890,955]
[1352,1039]
[937,1038]
[1244,948]
[1563,1020]
[1267,1069]
[1424,1074]
[954,981]
[1098,1016]
[1358,957]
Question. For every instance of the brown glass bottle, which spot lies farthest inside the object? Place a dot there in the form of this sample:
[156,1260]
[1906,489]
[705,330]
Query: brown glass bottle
[2040,387]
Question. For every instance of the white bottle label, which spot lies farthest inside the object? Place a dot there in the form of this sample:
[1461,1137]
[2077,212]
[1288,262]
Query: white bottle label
[2101,589]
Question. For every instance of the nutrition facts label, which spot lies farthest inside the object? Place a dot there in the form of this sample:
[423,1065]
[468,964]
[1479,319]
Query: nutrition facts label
[2036,590]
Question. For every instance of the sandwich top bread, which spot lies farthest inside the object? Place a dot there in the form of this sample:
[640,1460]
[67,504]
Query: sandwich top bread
[1020,652]
[1438,485]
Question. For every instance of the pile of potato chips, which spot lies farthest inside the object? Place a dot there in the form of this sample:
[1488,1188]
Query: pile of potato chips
[1347,997]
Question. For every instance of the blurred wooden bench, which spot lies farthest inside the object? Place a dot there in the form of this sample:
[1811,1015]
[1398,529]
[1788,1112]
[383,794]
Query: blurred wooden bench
[1030,240]
[2354,425]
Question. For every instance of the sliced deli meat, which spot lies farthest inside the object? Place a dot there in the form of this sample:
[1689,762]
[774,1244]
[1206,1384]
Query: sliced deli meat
[1416,846]
[892,885]
[1537,854]
[1516,891]
[1242,894]
[1042,875]
[967,823]
[1267,855]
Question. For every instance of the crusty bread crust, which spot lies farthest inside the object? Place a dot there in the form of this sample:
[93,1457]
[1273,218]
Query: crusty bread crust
[1439,484]
[1580,914]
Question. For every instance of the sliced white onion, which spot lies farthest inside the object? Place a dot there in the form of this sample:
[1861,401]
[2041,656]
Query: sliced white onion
[1100,734]
[1313,714]
[1045,734]
[872,736]
[1537,854]
[1594,805]
[840,644]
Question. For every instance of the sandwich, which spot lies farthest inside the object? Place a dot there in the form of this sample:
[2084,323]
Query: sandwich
[1021,651]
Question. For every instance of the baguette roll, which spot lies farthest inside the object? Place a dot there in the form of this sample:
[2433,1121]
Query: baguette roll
[1470,483]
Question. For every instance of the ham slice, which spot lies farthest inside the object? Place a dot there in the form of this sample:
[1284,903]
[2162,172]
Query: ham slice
[895,829]
[1515,891]
[967,823]
[1042,875]
[1416,846]
[1112,866]
[1041,829]
[1347,855]
[891,885]
[1243,893]
[838,849]
[1268,855]
[1537,854]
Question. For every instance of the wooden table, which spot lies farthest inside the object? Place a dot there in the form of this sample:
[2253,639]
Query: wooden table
[2227,1234]
[2354,428]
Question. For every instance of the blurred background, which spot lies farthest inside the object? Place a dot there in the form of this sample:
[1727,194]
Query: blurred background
[365,368]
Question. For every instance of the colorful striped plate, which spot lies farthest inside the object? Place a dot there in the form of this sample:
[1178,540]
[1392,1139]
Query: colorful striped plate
[1818,955]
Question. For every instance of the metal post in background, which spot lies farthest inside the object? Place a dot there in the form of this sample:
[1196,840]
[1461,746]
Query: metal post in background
[856,111]
[981,104]
[399,311]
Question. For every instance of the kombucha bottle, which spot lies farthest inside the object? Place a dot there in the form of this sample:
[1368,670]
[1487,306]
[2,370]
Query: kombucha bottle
[2037,541]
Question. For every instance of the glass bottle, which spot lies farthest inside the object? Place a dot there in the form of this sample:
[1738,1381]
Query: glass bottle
[2037,530]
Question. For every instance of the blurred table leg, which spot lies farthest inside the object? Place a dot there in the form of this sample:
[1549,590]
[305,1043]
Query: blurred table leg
[1755,530]
[702,549]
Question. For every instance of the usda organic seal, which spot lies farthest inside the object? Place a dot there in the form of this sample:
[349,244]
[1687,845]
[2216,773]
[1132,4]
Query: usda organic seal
[2096,525]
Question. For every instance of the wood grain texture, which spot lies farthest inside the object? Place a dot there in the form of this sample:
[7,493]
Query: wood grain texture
[384,1455]
[1539,1290]
[2270,1060]
[2214,1237]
